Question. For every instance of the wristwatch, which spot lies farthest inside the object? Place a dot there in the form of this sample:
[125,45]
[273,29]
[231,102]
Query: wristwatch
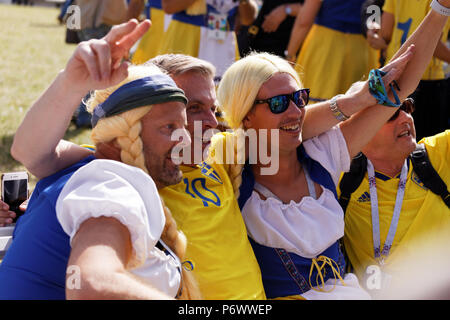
[288,56]
[436,6]
[338,114]
[288,10]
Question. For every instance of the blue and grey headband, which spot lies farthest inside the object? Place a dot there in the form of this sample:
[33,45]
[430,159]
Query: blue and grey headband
[158,88]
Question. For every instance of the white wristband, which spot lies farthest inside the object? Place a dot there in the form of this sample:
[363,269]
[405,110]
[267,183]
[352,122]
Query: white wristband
[439,8]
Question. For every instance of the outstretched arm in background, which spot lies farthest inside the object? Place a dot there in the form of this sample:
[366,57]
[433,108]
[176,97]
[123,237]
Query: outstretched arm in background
[275,17]
[95,64]
[303,23]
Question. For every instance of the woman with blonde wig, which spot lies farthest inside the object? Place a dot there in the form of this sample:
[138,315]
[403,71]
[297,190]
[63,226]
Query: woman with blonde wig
[293,218]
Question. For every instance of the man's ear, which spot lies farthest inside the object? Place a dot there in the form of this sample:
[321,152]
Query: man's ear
[108,150]
[247,122]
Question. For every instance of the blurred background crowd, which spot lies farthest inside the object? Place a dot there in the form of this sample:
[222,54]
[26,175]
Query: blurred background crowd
[332,43]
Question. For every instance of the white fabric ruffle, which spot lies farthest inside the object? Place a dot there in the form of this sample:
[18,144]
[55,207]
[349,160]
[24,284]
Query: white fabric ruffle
[113,189]
[311,226]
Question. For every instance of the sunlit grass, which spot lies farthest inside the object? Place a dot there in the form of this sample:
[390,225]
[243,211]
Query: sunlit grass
[32,51]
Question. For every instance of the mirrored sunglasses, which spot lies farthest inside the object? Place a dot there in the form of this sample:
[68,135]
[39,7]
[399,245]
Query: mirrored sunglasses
[280,104]
[407,106]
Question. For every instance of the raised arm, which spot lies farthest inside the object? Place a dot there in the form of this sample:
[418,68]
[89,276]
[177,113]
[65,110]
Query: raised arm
[95,64]
[363,126]
[247,12]
[407,66]
[101,251]
[442,52]
[303,23]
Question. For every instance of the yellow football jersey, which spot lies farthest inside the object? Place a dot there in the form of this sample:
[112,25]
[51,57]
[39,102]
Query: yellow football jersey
[424,216]
[408,16]
[206,210]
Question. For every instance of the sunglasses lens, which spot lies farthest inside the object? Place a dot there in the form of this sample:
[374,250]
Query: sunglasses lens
[395,115]
[407,106]
[301,98]
[279,104]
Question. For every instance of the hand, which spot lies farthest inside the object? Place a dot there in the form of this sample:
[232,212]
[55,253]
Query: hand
[273,20]
[394,70]
[6,216]
[374,38]
[445,3]
[98,63]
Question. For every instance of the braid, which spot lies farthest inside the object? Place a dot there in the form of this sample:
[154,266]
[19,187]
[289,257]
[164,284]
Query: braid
[237,166]
[131,146]
[176,240]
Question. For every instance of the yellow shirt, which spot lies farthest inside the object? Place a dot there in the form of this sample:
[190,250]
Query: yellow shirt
[408,16]
[206,210]
[424,216]
[148,47]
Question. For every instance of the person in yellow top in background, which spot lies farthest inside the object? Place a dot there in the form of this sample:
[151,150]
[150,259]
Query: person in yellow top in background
[423,217]
[148,46]
[399,20]
[205,29]
[332,52]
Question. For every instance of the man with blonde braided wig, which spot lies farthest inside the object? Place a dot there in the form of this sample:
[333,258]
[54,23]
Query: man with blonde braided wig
[98,229]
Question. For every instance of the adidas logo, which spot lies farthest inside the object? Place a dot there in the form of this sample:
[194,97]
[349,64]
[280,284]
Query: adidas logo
[365,197]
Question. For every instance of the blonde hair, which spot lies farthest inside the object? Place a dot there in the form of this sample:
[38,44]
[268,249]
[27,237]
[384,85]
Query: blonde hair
[125,128]
[177,63]
[236,95]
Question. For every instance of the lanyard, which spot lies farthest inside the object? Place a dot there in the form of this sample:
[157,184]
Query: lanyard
[375,214]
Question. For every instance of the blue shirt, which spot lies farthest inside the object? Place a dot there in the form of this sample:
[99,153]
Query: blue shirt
[341,15]
[35,265]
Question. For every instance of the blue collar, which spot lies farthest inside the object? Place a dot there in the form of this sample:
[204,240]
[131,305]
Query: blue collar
[318,174]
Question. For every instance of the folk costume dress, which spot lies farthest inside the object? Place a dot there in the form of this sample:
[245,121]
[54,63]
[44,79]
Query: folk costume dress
[35,265]
[297,244]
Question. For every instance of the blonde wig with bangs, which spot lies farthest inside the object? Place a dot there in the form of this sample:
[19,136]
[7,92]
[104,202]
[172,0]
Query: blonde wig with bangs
[236,95]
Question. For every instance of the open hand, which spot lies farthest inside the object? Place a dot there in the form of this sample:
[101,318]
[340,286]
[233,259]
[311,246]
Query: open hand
[374,38]
[393,69]
[99,63]
[273,20]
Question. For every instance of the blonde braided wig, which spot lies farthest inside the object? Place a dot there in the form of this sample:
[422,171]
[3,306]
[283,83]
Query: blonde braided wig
[125,128]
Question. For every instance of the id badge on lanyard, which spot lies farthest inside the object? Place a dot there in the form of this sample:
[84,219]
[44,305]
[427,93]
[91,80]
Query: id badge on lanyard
[377,280]
[217,26]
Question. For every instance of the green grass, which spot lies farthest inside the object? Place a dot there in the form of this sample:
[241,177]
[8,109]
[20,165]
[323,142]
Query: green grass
[32,52]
